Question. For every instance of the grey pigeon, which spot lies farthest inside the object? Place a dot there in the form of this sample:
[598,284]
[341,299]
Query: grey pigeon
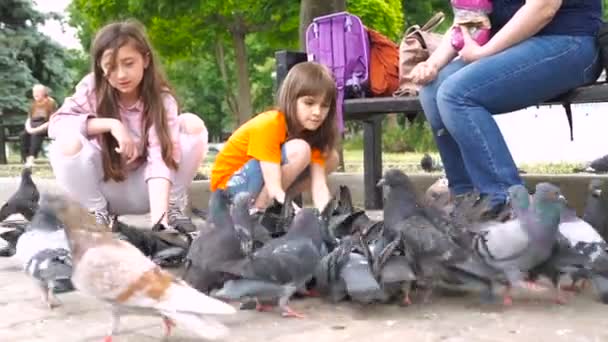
[586,241]
[431,247]
[361,285]
[328,281]
[428,164]
[217,242]
[45,255]
[438,196]
[596,207]
[24,201]
[392,267]
[344,201]
[600,164]
[516,246]
[8,238]
[167,248]
[117,273]
[248,229]
[288,261]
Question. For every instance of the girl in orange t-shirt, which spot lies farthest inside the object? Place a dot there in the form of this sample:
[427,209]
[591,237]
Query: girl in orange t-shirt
[293,146]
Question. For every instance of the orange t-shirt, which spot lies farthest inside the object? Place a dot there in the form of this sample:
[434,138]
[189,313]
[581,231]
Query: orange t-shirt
[260,138]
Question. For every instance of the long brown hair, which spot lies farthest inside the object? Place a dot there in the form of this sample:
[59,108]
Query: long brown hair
[310,79]
[152,89]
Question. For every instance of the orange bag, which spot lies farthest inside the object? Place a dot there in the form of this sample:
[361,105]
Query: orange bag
[383,64]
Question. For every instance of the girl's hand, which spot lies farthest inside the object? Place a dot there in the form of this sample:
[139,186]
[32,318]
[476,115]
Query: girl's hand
[471,51]
[424,72]
[126,146]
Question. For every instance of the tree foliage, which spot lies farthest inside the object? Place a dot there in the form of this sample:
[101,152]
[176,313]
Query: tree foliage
[28,57]
[384,16]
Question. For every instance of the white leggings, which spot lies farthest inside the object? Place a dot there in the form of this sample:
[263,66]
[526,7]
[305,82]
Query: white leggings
[81,176]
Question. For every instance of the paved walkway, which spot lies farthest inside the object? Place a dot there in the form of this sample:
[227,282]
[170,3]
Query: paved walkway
[23,317]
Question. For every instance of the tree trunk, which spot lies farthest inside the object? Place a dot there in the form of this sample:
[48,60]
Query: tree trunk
[310,9]
[244,106]
[221,64]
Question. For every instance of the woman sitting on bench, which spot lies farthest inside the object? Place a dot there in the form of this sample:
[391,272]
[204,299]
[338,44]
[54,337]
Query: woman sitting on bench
[36,124]
[538,50]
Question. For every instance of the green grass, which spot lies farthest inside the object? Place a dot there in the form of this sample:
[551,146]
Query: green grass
[353,160]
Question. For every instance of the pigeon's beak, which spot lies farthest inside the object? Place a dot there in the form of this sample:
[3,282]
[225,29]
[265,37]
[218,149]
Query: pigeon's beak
[596,193]
[562,199]
[380,183]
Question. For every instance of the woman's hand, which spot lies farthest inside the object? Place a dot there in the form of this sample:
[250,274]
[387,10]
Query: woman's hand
[126,146]
[424,72]
[471,51]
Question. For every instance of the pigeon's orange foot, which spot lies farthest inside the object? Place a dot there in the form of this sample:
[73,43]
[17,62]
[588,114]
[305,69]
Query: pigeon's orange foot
[289,313]
[263,307]
[406,300]
[507,300]
[169,325]
[107,338]
[570,288]
[533,286]
[312,293]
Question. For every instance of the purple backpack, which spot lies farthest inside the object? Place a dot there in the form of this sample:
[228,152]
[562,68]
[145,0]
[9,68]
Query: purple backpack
[340,42]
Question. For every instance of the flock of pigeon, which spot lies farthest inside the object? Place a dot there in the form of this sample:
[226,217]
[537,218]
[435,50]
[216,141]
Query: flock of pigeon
[262,260]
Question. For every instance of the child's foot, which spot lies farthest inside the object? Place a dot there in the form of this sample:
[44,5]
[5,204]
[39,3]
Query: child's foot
[102,216]
[178,220]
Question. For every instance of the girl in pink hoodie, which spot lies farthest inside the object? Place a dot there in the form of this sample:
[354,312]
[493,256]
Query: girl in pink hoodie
[120,146]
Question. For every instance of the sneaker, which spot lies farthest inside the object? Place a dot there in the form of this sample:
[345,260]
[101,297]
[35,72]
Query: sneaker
[177,219]
[102,216]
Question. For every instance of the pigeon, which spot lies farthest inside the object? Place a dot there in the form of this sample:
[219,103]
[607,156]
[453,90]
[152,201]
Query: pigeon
[328,281]
[431,247]
[600,164]
[360,283]
[118,273]
[25,200]
[249,230]
[596,207]
[289,262]
[9,238]
[438,195]
[428,164]
[217,242]
[45,255]
[344,201]
[516,246]
[392,268]
[167,248]
[586,241]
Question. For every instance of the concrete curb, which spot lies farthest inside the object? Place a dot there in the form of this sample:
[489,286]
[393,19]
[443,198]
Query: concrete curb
[574,186]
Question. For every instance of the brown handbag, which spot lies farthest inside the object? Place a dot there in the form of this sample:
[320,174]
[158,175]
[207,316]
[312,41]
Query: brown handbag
[417,45]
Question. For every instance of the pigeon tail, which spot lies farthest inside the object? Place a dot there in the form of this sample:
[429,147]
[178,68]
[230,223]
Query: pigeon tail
[205,327]
[180,297]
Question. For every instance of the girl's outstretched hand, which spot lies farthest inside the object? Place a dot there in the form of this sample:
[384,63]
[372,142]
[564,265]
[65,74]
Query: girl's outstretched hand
[126,146]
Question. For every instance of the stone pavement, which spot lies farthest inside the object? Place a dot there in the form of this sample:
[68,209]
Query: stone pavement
[23,317]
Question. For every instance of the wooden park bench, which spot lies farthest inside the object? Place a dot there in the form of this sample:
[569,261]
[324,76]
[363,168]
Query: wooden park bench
[370,112]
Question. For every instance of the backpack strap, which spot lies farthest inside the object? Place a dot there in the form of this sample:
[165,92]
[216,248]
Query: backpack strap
[568,108]
[339,69]
[435,21]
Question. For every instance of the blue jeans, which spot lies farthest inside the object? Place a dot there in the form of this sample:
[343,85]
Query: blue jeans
[249,177]
[460,102]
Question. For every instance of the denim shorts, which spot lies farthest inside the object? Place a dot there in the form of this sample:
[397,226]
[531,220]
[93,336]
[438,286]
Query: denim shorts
[249,177]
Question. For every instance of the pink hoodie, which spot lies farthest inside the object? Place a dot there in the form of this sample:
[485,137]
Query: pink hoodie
[72,116]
